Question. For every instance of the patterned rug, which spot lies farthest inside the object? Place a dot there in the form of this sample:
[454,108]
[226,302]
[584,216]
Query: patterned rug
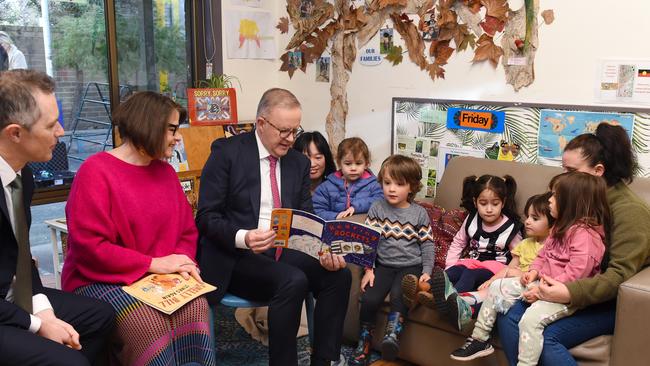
[235,347]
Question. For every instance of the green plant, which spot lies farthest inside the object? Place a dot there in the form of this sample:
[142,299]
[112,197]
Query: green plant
[221,81]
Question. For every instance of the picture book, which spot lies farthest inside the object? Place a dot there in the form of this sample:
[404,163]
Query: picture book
[212,106]
[167,292]
[179,157]
[312,235]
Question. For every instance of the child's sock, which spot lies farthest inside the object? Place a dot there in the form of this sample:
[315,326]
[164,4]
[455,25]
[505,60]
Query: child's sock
[472,298]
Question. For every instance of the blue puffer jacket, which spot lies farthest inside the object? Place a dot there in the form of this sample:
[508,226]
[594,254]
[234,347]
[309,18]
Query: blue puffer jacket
[331,196]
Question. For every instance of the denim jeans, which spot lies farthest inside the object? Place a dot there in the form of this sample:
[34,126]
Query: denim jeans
[560,336]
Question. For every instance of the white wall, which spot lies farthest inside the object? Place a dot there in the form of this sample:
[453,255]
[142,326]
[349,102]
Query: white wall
[565,70]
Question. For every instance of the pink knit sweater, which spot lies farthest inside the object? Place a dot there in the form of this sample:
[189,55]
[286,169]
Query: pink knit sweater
[120,216]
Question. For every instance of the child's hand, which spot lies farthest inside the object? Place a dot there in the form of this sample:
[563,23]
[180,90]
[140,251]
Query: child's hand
[368,279]
[528,277]
[486,284]
[425,277]
[347,213]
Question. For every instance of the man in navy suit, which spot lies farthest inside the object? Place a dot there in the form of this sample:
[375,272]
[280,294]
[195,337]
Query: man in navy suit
[240,185]
[38,326]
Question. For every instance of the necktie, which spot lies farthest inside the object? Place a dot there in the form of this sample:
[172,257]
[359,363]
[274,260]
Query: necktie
[275,192]
[23,285]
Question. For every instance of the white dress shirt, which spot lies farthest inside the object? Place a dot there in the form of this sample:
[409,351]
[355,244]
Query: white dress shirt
[39,301]
[266,197]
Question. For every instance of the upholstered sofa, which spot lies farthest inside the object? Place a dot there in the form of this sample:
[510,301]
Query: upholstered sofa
[428,340]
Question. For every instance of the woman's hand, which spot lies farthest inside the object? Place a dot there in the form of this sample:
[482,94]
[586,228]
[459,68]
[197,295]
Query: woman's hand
[531,295]
[176,263]
[347,213]
[553,291]
[368,279]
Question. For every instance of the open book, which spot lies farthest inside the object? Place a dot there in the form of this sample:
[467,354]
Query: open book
[312,235]
[167,292]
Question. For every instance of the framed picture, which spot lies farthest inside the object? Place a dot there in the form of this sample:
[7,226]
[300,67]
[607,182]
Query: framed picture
[212,106]
[190,185]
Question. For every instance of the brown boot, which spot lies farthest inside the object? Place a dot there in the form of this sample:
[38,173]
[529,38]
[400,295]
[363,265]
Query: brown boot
[410,290]
[426,298]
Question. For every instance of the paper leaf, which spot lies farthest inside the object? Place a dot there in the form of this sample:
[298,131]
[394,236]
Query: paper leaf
[394,55]
[285,65]
[446,16]
[487,50]
[442,53]
[436,71]
[468,40]
[496,8]
[491,25]
[412,38]
[283,25]
[473,5]
[385,3]
[548,15]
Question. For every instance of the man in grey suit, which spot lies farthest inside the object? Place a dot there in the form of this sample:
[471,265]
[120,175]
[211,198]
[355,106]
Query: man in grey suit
[38,325]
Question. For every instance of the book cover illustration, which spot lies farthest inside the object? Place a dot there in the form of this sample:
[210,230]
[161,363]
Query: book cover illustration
[179,157]
[167,292]
[208,107]
[314,236]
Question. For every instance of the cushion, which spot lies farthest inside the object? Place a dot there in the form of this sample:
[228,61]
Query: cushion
[444,225]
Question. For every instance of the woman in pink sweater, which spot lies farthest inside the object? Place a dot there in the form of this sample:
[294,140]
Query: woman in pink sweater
[127,216]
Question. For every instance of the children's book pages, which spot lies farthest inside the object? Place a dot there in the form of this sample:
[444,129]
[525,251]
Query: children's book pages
[314,236]
[167,292]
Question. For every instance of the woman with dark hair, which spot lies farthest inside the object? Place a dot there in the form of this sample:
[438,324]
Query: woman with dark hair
[607,153]
[127,216]
[315,147]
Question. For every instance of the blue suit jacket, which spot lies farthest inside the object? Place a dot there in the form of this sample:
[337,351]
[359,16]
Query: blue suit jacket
[229,200]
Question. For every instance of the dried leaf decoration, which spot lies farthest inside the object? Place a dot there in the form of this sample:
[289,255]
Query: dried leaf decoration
[496,8]
[549,16]
[487,50]
[442,53]
[385,3]
[491,25]
[283,25]
[394,55]
[473,5]
[412,38]
[285,65]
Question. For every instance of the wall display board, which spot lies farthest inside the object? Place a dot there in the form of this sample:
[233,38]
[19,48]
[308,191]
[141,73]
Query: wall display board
[531,133]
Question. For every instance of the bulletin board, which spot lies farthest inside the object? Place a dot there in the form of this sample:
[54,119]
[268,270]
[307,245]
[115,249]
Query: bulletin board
[428,131]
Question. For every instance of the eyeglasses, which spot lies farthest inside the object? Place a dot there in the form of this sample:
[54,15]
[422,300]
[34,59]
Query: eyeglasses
[173,128]
[285,132]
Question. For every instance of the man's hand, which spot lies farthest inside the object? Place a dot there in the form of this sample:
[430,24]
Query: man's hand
[259,240]
[332,262]
[424,277]
[368,279]
[553,291]
[347,213]
[57,330]
[175,263]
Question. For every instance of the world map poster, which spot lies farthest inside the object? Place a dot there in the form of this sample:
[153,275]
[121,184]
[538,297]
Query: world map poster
[557,128]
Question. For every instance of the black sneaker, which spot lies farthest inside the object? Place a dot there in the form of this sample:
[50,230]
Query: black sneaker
[473,348]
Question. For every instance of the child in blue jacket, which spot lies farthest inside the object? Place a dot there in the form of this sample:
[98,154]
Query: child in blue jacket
[353,188]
